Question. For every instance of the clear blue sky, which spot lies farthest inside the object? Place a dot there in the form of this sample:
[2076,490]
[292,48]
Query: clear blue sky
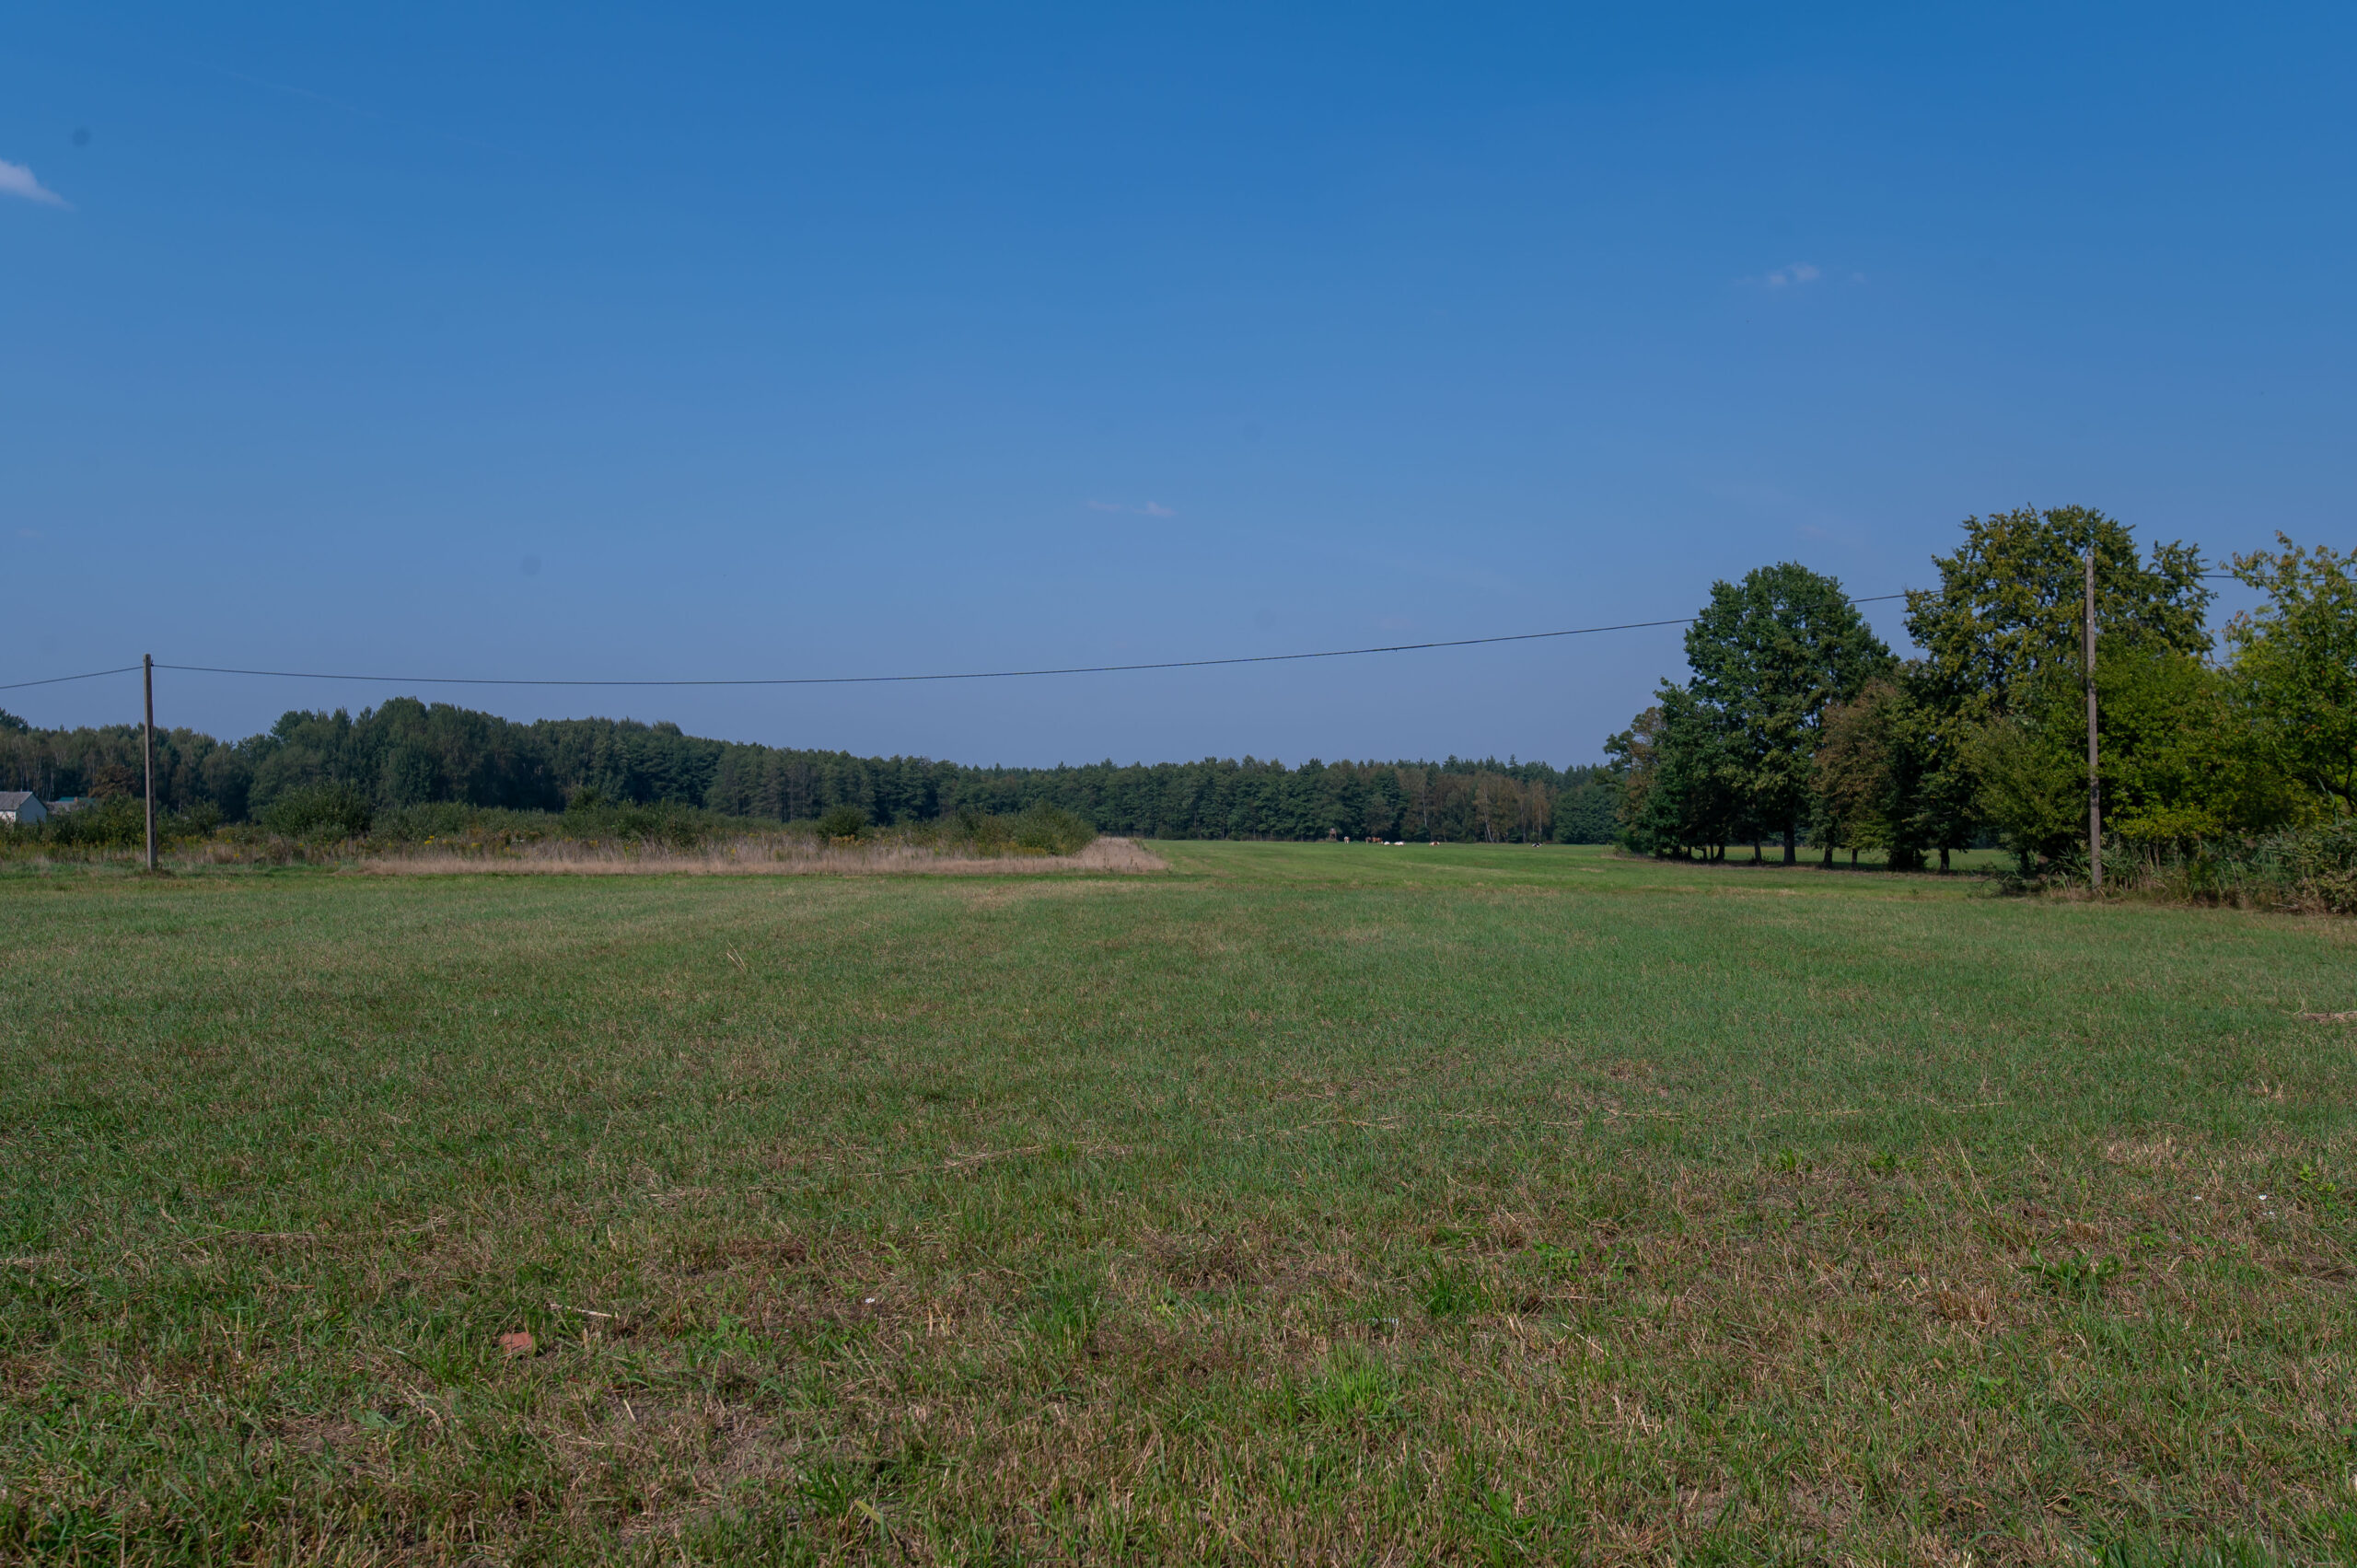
[550,341]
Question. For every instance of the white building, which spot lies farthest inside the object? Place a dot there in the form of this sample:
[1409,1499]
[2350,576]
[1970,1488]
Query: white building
[22,806]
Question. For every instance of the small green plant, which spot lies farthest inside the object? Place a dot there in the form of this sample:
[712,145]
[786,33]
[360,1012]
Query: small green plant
[2322,1194]
[2078,1276]
[1066,1311]
[1355,1388]
[727,1340]
[1449,1293]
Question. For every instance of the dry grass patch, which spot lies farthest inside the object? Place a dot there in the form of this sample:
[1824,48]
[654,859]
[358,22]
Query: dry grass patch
[757,857]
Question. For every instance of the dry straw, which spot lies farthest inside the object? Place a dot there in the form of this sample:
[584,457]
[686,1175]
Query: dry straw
[775,855]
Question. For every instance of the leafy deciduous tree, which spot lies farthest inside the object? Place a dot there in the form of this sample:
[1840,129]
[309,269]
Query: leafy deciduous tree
[1769,655]
[2295,666]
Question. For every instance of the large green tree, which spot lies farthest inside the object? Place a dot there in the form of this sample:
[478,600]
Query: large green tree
[1680,791]
[2180,763]
[2003,644]
[2295,666]
[1769,655]
[2011,604]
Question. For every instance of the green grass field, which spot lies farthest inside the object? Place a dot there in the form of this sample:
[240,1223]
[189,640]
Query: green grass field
[1310,1203]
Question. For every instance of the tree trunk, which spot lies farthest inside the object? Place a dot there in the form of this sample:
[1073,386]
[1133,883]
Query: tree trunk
[1755,856]
[1829,852]
[1791,846]
[1853,858]
[1943,858]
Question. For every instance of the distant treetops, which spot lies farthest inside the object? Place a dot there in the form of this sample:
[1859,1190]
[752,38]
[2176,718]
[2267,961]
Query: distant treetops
[313,770]
[1796,722]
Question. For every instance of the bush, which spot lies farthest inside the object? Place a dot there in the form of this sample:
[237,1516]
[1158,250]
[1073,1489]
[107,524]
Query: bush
[2312,868]
[320,811]
[115,821]
[198,821]
[443,820]
[976,830]
[2318,864]
[1043,829]
[842,822]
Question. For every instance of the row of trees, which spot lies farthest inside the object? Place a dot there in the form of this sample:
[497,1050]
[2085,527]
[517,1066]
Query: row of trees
[1797,722]
[407,752]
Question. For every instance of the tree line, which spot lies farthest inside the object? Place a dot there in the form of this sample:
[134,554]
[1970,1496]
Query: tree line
[1796,723]
[409,752]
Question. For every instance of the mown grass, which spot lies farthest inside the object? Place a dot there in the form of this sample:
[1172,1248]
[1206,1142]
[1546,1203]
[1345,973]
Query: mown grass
[1319,1203]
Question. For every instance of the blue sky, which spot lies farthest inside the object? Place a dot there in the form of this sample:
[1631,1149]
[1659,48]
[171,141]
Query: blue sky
[665,343]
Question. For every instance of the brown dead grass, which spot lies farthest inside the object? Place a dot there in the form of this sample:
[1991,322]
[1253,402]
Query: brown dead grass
[760,857]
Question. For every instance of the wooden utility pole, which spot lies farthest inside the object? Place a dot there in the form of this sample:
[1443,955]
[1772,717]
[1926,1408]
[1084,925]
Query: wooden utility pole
[148,747]
[2095,787]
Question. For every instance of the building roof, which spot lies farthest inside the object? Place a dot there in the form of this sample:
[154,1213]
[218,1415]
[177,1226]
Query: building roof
[13,799]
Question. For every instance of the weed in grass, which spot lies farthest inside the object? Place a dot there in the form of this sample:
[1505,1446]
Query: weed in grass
[1452,1292]
[2079,1276]
[1354,1388]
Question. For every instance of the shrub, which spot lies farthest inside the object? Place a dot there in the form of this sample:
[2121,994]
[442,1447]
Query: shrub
[842,822]
[1043,829]
[197,821]
[2312,868]
[978,830]
[441,819]
[115,821]
[2320,863]
[320,811]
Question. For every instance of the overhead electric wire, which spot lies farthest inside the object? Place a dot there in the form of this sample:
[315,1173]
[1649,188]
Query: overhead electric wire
[957,675]
[886,680]
[59,680]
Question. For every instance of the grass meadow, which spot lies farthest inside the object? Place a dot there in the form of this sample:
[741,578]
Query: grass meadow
[1302,1203]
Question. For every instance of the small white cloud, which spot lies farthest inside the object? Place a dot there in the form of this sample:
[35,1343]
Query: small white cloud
[16,180]
[1154,509]
[1785,277]
[1151,509]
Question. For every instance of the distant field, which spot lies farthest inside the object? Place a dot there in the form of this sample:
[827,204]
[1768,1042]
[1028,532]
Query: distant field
[1307,1202]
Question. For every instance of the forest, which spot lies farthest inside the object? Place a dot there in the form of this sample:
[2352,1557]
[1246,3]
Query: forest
[409,752]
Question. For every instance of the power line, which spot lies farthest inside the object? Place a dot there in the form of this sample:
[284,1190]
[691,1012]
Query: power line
[880,680]
[887,679]
[959,674]
[60,679]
